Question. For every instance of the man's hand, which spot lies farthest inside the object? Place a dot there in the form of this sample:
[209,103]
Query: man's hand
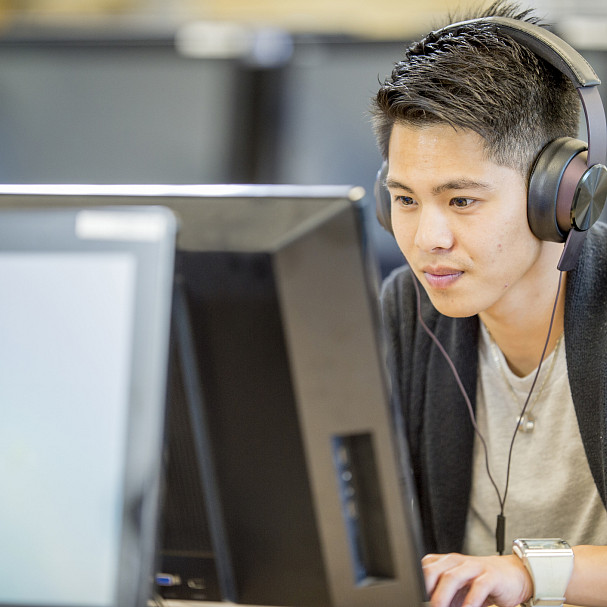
[455,580]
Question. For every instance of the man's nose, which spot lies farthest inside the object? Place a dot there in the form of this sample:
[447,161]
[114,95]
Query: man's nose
[433,230]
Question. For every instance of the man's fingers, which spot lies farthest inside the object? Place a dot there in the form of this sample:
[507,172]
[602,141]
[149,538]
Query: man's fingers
[455,580]
[448,577]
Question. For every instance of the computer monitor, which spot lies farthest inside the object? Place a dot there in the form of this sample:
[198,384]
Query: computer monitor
[84,336]
[285,482]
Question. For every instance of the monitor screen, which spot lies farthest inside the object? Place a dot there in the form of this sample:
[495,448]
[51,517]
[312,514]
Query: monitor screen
[285,484]
[82,409]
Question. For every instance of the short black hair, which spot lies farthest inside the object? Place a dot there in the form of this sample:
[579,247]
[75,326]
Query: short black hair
[475,78]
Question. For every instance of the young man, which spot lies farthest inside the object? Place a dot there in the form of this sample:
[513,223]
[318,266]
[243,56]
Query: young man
[460,123]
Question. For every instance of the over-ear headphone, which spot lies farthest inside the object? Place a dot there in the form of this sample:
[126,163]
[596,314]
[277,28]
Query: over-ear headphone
[566,194]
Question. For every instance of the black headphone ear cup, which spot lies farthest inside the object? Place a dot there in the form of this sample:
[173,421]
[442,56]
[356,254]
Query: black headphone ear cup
[383,203]
[544,183]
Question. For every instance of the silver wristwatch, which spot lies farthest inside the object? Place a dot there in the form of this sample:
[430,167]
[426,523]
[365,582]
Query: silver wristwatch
[550,564]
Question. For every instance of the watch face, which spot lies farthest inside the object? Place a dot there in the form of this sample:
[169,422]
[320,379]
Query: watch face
[544,544]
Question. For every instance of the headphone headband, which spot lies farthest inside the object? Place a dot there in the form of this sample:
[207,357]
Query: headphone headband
[543,43]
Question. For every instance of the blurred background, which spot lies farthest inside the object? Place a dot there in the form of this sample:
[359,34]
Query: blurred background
[217,91]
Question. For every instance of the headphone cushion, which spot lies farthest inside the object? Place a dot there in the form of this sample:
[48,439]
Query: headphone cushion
[383,202]
[544,182]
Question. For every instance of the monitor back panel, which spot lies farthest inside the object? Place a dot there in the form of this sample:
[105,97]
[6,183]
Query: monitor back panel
[283,484]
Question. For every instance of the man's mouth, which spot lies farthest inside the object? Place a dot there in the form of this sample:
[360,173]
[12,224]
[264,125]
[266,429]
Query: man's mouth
[441,277]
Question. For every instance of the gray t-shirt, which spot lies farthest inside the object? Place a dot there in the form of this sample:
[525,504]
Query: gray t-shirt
[551,492]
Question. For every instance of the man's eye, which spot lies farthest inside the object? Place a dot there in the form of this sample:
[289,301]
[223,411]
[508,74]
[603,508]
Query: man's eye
[462,203]
[404,201]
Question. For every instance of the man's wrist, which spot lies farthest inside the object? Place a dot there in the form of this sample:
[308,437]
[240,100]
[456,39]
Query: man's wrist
[526,581]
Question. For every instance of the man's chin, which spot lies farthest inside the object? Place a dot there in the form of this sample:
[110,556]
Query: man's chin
[449,306]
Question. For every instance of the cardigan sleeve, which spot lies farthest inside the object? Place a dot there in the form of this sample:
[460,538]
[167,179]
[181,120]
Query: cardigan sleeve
[586,349]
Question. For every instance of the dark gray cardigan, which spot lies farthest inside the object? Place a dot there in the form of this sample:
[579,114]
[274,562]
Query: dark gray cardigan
[432,411]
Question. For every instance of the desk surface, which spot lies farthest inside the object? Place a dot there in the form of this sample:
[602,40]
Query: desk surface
[190,604]
[166,603]
[206,604]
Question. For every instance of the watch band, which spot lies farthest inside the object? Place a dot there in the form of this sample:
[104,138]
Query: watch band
[550,564]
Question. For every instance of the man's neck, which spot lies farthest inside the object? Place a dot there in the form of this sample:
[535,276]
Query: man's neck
[521,332]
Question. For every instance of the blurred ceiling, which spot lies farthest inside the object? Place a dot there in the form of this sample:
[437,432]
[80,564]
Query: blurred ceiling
[370,19]
[583,22]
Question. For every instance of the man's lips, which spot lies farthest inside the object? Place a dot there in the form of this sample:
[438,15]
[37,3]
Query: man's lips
[441,277]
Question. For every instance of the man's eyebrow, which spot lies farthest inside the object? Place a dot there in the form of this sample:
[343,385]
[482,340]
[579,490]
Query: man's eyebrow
[455,184]
[394,184]
[462,184]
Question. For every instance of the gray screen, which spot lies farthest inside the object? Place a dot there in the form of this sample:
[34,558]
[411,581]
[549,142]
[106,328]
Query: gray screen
[66,325]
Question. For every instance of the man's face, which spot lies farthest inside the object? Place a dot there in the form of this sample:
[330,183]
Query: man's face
[461,221]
